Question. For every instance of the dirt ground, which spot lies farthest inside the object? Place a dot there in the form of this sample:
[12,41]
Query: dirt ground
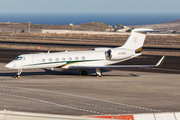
[154,41]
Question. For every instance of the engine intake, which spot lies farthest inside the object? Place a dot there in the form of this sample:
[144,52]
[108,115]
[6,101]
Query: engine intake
[115,54]
[108,54]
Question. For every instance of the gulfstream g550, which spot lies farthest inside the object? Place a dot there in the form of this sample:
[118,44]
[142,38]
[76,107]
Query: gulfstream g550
[97,58]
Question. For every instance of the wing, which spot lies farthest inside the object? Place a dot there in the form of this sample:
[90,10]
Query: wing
[159,63]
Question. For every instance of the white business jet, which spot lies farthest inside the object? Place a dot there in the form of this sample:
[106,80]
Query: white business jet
[97,58]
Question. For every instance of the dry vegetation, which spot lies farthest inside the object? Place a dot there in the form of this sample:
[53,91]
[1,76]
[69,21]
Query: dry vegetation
[163,41]
[95,39]
[87,39]
[173,25]
[95,26]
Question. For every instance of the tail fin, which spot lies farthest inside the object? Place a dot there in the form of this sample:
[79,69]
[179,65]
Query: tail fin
[136,39]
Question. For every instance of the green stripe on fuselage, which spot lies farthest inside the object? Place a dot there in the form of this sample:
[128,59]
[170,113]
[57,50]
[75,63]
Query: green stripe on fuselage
[66,62]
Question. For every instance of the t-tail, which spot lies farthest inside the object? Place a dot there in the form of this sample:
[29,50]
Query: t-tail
[136,40]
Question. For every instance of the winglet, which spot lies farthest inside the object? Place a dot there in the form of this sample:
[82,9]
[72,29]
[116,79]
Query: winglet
[160,62]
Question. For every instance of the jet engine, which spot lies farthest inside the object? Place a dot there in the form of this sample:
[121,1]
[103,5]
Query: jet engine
[100,49]
[115,54]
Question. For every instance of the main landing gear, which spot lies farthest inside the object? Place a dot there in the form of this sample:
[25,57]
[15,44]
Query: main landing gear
[98,72]
[83,72]
[18,76]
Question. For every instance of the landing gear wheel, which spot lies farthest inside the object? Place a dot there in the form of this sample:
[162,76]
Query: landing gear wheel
[84,72]
[18,77]
[98,72]
[99,75]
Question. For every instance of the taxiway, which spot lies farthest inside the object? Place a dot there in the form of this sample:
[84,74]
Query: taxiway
[124,91]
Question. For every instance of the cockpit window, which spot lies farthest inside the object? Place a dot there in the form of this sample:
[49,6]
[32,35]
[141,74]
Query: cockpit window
[93,49]
[23,58]
[20,58]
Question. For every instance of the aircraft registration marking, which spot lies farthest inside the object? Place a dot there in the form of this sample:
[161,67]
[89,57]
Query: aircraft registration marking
[122,53]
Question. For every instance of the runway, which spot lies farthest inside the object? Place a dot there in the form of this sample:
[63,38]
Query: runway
[66,92]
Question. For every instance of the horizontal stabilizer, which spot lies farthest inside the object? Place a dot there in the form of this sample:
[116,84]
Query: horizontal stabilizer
[160,62]
[148,30]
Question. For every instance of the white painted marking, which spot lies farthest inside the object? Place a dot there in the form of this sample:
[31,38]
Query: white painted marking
[122,104]
[45,101]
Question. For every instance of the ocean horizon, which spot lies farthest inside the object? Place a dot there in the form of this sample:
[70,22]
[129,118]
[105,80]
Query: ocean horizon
[127,19]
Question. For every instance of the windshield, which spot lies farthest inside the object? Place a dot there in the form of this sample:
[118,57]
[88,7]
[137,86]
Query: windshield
[20,58]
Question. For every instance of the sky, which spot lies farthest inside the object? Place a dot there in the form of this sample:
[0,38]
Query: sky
[89,6]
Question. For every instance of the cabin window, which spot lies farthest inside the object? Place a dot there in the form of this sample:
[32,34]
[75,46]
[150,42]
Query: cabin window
[63,59]
[57,59]
[83,58]
[50,59]
[43,60]
[76,58]
[70,58]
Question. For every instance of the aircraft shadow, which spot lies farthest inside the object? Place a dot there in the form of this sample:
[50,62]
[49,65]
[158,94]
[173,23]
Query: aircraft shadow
[63,72]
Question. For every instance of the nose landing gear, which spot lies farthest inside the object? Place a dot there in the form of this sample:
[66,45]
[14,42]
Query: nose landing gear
[18,76]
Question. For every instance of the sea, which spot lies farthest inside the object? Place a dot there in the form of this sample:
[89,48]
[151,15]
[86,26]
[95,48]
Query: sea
[127,19]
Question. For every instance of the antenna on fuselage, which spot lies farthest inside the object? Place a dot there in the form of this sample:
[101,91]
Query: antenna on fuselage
[48,51]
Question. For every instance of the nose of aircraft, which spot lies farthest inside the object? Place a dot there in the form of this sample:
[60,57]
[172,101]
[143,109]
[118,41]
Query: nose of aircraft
[9,65]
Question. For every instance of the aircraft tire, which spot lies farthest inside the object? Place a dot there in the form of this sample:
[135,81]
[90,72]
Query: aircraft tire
[84,72]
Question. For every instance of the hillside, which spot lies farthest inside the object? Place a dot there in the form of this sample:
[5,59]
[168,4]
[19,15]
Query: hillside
[95,26]
[90,26]
[173,25]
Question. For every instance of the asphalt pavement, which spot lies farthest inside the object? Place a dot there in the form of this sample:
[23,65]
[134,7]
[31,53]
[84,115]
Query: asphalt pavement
[119,91]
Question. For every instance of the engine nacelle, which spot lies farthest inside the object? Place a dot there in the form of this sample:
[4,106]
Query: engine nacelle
[100,49]
[118,53]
